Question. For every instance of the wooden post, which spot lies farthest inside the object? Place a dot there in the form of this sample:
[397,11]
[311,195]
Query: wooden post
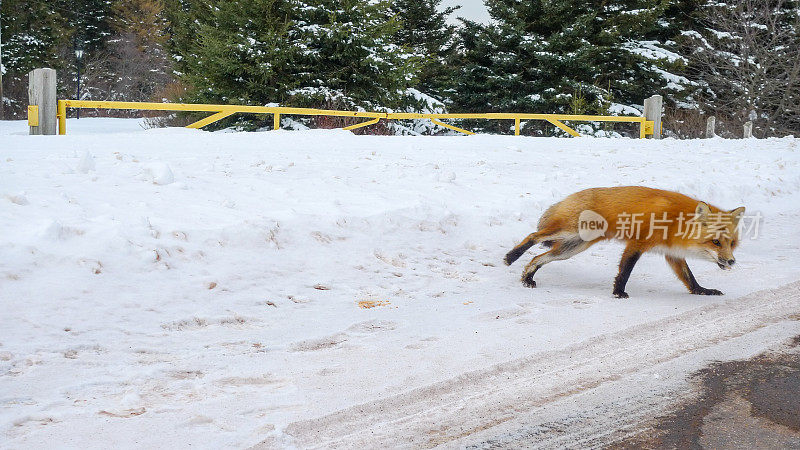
[652,111]
[748,130]
[42,92]
[711,127]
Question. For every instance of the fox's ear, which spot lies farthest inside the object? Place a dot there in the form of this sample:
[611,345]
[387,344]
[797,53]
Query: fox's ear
[736,214]
[702,211]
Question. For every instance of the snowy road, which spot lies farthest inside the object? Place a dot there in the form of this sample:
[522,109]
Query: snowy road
[176,287]
[580,396]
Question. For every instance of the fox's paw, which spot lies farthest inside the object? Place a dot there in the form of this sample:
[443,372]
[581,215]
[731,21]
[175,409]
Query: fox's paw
[512,256]
[527,281]
[621,294]
[704,291]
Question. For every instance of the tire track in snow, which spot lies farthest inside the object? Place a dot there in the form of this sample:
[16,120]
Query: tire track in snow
[481,399]
[615,411]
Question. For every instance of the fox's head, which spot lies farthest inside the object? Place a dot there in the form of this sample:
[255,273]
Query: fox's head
[718,233]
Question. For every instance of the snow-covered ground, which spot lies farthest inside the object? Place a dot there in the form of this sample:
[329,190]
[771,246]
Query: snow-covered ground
[175,287]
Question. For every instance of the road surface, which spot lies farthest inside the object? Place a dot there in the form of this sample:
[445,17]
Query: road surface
[609,390]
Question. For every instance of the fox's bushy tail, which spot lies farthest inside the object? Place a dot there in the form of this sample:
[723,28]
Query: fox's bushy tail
[548,234]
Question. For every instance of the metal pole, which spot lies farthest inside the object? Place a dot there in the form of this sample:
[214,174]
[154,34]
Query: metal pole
[78,96]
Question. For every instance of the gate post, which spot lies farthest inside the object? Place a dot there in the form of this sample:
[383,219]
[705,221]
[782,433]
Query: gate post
[652,111]
[747,131]
[711,125]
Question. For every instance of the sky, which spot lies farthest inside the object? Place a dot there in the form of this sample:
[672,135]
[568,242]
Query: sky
[470,9]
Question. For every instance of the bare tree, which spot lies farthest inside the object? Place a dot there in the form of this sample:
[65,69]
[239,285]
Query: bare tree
[134,65]
[748,60]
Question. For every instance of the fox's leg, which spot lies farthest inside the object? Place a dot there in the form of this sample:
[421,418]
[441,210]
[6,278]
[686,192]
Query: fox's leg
[630,255]
[681,269]
[531,240]
[561,250]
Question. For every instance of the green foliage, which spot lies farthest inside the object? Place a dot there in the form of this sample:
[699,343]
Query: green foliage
[561,56]
[233,52]
[347,51]
[32,33]
[424,30]
[44,34]
[304,53]
[39,34]
[569,56]
[578,104]
[87,22]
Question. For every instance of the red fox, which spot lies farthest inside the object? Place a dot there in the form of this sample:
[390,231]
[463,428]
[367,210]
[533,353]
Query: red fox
[647,219]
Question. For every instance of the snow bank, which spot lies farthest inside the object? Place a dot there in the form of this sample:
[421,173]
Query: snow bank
[213,288]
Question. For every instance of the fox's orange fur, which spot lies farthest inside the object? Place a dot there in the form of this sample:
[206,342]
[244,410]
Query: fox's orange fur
[714,237]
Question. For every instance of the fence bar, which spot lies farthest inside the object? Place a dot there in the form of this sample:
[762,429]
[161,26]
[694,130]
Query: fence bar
[559,124]
[362,124]
[210,119]
[221,111]
[460,130]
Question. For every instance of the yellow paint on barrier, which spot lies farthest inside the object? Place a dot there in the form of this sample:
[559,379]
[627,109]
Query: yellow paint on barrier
[33,115]
[222,111]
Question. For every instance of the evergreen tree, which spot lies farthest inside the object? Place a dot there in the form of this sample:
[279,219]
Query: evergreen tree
[347,54]
[668,41]
[87,21]
[565,56]
[184,18]
[336,53]
[234,51]
[424,29]
[678,16]
[32,35]
[490,74]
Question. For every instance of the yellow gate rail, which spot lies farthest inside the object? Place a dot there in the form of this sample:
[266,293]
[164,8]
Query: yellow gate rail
[222,111]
